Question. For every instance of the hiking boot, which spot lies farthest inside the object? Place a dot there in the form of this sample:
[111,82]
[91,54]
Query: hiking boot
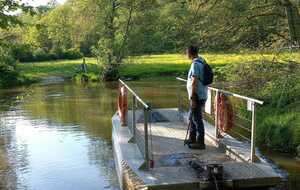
[197,146]
[191,140]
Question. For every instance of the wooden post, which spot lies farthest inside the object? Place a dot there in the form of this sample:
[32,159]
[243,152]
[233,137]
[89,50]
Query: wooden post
[253,131]
[84,66]
[133,116]
[146,116]
[216,115]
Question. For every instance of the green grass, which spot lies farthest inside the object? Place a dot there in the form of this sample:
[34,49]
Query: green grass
[142,66]
[178,64]
[65,68]
[172,64]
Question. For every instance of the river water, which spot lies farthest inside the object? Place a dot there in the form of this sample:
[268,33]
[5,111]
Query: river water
[58,135]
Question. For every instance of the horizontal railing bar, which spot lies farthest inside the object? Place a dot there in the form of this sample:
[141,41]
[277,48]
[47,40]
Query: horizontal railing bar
[242,127]
[241,136]
[229,93]
[181,79]
[242,118]
[134,94]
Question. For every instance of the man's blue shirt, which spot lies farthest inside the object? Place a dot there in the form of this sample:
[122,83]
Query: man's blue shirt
[197,70]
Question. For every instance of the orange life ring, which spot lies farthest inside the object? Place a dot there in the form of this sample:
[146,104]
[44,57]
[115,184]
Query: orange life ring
[225,113]
[122,105]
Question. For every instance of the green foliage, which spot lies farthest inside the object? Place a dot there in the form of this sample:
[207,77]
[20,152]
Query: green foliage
[298,151]
[26,53]
[7,6]
[278,131]
[117,22]
[48,34]
[23,52]
[86,77]
[274,79]
[133,27]
[9,75]
[282,91]
[59,26]
[156,26]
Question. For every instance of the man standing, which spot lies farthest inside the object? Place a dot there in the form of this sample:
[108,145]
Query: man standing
[197,93]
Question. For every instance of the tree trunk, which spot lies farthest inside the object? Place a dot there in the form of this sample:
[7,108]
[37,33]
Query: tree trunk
[126,34]
[111,32]
[293,21]
[110,72]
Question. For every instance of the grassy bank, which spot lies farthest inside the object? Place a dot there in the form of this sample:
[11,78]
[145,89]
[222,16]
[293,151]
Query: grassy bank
[139,66]
[64,68]
[278,125]
[172,64]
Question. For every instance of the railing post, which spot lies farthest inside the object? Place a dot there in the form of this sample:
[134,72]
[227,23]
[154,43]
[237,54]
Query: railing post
[253,131]
[178,98]
[180,107]
[216,115]
[146,117]
[133,116]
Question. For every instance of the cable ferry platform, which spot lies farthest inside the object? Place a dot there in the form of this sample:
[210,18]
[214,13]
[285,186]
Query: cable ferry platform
[150,154]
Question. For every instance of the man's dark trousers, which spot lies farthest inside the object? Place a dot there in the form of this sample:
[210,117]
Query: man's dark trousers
[197,125]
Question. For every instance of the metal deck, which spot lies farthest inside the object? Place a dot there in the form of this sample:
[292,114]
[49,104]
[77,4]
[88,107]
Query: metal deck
[171,157]
[167,145]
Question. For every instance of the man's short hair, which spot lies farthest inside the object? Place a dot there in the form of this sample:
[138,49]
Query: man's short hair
[193,50]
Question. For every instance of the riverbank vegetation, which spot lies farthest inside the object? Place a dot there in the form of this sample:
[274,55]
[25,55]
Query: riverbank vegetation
[146,66]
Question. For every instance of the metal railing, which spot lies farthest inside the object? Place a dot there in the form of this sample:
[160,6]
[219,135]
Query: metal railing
[140,137]
[251,105]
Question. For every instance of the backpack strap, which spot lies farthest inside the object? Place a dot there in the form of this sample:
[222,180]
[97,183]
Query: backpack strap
[199,60]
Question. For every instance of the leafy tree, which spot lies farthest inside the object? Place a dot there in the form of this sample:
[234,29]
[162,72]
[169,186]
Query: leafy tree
[9,74]
[117,23]
[8,6]
[58,23]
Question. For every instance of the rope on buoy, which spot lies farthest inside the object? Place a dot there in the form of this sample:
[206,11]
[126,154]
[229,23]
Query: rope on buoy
[225,113]
[122,105]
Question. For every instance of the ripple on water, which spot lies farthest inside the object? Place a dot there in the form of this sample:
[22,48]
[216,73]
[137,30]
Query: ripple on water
[51,143]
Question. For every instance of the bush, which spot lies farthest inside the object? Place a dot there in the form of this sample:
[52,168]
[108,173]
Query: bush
[277,83]
[23,52]
[72,54]
[278,132]
[86,77]
[9,75]
[42,55]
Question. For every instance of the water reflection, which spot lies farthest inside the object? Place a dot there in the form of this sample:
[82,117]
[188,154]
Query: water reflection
[59,137]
